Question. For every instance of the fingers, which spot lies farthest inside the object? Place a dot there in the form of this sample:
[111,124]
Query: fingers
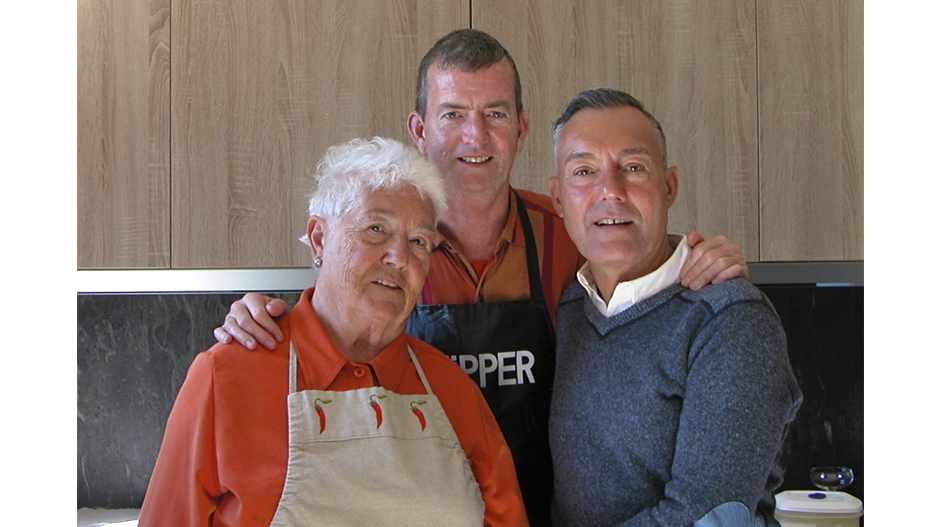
[276,308]
[694,238]
[222,336]
[714,260]
[250,321]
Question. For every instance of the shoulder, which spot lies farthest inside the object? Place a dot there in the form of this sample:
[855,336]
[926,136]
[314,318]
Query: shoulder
[446,377]
[234,364]
[536,202]
[573,293]
[717,297]
[434,360]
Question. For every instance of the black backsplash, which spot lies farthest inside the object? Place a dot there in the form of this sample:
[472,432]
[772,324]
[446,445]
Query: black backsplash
[134,351]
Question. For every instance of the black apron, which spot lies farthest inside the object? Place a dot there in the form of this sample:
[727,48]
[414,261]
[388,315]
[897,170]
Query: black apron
[508,348]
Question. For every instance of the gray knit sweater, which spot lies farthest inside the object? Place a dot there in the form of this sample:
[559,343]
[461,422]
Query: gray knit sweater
[669,409]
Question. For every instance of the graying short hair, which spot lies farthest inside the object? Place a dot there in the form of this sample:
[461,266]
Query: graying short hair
[351,171]
[465,50]
[601,98]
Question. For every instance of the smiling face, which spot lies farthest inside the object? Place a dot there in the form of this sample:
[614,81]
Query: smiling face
[375,258]
[613,191]
[471,130]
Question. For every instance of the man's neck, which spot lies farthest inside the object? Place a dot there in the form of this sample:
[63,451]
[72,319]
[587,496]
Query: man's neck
[473,223]
[607,278]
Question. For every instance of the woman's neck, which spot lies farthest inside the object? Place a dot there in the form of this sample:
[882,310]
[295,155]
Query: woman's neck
[357,338]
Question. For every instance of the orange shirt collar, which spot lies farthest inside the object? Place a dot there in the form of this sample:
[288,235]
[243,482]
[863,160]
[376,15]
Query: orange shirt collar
[510,234]
[320,363]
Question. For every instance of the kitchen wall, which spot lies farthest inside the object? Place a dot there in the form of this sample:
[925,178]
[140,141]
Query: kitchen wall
[134,350]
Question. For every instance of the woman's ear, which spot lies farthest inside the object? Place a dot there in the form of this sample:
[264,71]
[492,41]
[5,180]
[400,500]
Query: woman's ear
[316,232]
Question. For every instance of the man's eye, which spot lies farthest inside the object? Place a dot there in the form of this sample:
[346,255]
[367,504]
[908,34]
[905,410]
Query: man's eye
[376,228]
[581,172]
[498,114]
[450,115]
[420,242]
[635,168]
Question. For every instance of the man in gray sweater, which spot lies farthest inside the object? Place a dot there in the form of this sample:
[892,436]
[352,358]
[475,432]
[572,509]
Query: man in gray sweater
[670,406]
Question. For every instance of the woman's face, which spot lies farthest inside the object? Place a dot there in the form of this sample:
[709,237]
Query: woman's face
[376,256]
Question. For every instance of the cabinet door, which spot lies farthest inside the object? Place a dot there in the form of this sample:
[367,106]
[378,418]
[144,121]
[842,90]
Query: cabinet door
[693,64]
[123,133]
[260,90]
[811,111]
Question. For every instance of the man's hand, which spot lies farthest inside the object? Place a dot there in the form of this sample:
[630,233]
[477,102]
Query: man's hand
[712,261]
[251,318]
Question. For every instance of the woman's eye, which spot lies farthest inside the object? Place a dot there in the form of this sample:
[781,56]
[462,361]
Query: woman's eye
[376,228]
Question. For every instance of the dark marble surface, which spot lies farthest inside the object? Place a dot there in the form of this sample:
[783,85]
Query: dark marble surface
[133,354]
[134,351]
[825,338]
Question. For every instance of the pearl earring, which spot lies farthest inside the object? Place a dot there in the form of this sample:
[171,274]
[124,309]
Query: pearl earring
[317,262]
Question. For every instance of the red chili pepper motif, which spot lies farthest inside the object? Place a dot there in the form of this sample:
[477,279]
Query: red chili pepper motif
[373,401]
[320,413]
[419,414]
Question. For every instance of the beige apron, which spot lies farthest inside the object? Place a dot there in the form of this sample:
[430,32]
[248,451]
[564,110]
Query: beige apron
[371,457]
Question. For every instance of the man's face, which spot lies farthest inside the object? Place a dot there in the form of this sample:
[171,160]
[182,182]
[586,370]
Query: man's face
[470,129]
[613,191]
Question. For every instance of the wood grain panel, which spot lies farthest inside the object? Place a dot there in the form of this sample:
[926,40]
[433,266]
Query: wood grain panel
[123,134]
[693,64]
[260,90]
[811,114]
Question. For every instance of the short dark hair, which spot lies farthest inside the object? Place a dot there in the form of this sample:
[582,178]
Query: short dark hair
[467,50]
[601,98]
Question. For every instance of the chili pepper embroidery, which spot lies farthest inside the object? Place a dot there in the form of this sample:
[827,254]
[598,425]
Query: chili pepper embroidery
[419,414]
[320,413]
[373,401]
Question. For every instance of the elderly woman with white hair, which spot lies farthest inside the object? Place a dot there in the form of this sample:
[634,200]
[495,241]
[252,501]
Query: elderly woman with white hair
[350,421]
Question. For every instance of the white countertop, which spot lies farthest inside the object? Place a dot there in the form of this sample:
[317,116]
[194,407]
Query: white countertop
[108,517]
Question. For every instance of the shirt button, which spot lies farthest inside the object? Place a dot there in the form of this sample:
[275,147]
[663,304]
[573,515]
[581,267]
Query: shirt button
[359,371]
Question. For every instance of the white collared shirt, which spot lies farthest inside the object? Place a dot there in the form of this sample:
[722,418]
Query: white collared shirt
[628,293]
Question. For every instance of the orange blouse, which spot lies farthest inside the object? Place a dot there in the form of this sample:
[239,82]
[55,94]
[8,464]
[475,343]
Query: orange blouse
[223,461]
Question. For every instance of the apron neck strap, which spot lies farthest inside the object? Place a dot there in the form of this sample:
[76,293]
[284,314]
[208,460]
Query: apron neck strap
[293,369]
[531,252]
[424,380]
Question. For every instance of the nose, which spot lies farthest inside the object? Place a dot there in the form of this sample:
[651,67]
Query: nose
[474,130]
[397,254]
[613,186]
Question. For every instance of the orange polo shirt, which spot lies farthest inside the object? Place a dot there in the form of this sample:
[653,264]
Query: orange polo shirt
[223,461]
[453,280]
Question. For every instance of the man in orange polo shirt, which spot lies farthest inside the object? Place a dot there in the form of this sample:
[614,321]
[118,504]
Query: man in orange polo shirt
[501,257]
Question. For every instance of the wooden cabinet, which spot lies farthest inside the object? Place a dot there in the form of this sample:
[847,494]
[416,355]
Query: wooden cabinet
[202,161]
[811,122]
[692,64]
[260,91]
[123,133]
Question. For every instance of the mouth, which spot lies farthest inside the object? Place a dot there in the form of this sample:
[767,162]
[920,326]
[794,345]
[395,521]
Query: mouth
[612,221]
[475,160]
[386,283]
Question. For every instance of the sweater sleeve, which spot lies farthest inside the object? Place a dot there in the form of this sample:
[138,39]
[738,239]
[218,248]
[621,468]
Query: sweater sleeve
[740,396]
[184,487]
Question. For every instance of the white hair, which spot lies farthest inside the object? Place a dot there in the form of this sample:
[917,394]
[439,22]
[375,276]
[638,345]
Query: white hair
[349,172]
